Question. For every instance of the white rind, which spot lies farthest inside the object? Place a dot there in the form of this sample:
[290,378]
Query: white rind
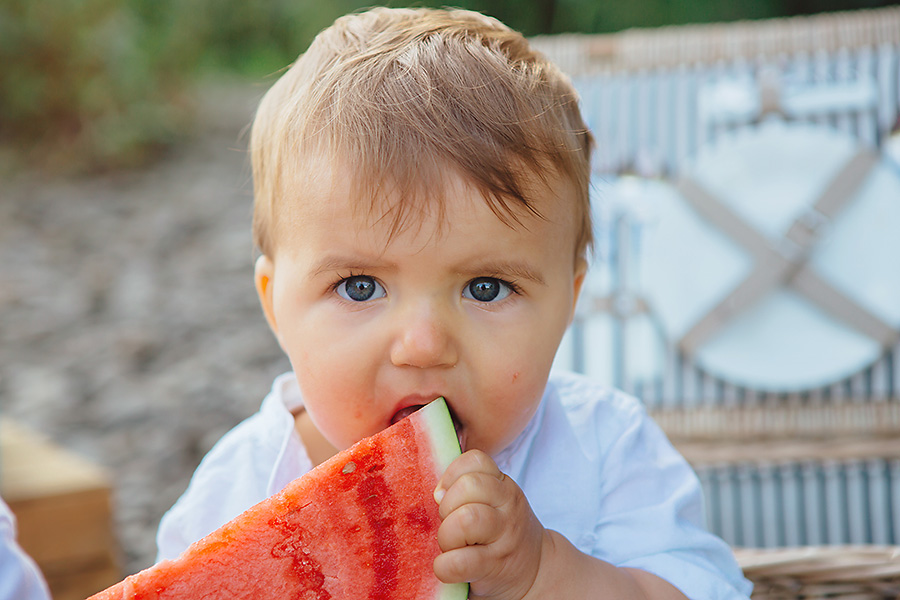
[444,443]
[453,591]
[444,449]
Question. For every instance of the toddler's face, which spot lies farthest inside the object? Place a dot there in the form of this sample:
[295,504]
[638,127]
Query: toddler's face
[472,310]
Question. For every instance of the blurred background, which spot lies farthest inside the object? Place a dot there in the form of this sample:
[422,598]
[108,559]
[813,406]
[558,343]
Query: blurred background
[102,84]
[129,330]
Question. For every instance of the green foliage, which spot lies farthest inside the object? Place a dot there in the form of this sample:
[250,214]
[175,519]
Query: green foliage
[258,37]
[88,84]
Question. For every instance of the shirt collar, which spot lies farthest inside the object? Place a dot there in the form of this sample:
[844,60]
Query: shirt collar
[278,409]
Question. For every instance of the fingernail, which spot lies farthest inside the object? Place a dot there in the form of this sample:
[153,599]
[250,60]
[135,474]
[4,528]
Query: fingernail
[439,494]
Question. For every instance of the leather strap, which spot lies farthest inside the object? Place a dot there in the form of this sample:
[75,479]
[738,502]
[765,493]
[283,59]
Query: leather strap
[844,308]
[785,261]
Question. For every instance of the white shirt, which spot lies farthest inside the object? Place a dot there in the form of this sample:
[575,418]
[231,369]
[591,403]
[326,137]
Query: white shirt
[20,578]
[592,464]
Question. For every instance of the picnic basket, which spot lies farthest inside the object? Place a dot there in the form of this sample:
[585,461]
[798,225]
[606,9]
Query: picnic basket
[833,572]
[803,481]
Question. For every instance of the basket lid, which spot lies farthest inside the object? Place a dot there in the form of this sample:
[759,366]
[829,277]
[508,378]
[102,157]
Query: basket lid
[774,260]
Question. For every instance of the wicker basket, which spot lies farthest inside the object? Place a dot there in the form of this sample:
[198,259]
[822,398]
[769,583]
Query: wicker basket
[779,433]
[653,48]
[788,476]
[839,572]
[654,76]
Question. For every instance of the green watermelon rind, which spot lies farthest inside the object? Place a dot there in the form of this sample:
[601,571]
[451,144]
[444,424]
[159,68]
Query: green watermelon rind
[444,449]
[444,443]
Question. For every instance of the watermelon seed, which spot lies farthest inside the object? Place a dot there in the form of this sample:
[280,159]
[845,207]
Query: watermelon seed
[349,467]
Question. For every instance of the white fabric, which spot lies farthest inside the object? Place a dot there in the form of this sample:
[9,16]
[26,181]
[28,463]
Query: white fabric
[20,578]
[592,464]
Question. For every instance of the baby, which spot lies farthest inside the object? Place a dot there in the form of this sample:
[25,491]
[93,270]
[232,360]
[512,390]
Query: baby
[421,209]
[20,577]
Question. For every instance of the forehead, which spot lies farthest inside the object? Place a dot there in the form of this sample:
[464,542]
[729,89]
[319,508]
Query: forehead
[427,205]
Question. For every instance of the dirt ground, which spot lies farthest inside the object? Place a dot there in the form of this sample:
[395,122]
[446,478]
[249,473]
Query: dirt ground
[129,329]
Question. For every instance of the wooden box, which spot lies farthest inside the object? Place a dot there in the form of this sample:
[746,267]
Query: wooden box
[62,505]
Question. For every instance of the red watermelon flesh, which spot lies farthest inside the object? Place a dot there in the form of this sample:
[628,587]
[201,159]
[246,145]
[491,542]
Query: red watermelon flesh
[362,525]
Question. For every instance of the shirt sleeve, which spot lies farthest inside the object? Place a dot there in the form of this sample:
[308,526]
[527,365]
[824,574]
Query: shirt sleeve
[248,464]
[20,578]
[652,498]
[231,478]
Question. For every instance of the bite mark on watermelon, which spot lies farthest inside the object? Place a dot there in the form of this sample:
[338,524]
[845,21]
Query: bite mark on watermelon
[362,525]
[296,549]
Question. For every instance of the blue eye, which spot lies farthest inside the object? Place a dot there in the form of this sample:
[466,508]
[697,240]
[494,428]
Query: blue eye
[360,288]
[487,289]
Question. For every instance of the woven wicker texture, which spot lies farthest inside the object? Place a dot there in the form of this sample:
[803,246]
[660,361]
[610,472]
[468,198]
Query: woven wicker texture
[773,434]
[838,572]
[634,49]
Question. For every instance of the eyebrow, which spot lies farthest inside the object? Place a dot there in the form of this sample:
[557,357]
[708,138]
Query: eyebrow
[341,263]
[510,269]
[514,269]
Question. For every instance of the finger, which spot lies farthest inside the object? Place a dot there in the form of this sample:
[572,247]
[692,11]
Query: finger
[473,461]
[471,524]
[462,565]
[475,488]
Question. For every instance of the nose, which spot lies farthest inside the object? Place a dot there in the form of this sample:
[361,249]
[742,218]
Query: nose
[424,338]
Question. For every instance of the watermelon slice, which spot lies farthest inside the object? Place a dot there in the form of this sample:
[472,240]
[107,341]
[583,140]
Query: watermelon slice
[362,525]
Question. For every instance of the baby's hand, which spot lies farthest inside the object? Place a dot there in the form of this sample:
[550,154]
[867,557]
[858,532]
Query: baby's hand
[489,535]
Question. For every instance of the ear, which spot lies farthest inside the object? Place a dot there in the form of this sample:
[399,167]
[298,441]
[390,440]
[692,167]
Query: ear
[581,267]
[264,278]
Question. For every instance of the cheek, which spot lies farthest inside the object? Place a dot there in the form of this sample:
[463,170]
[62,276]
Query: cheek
[332,391]
[524,384]
[514,399]
[334,406]
[528,353]
[519,378]
[520,372]
[319,347]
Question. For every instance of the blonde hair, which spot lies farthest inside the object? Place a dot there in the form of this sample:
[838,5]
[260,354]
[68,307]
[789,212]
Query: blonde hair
[403,95]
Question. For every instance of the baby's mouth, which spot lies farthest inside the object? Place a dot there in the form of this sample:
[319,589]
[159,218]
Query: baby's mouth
[405,412]
[457,425]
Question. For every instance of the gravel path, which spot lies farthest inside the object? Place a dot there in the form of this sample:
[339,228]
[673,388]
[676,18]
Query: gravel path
[130,329]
